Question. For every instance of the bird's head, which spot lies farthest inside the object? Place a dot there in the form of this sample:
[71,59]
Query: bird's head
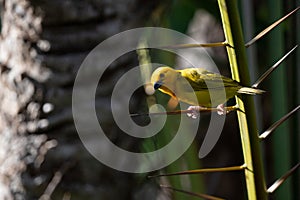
[164,79]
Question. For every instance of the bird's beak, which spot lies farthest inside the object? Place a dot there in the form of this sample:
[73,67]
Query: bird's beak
[158,84]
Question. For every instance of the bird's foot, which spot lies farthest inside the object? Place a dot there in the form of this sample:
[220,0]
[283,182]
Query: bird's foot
[195,111]
[221,109]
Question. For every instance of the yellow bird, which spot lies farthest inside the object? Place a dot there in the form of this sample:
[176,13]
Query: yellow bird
[202,84]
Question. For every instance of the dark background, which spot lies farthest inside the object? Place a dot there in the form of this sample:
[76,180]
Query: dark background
[42,46]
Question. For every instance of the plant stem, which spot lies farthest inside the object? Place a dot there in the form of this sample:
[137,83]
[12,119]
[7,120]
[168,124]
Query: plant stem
[256,187]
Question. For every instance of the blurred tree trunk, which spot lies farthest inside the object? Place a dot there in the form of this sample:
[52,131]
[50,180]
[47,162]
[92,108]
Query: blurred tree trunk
[42,44]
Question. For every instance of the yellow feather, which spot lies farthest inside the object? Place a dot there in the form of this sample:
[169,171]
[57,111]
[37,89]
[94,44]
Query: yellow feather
[185,84]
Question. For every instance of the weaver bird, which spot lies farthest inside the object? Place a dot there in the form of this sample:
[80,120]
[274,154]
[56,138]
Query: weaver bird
[186,84]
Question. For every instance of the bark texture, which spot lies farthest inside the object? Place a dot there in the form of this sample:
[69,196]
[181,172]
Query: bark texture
[42,45]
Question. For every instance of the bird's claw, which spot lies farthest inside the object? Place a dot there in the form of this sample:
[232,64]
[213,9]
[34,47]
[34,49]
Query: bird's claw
[195,112]
[221,109]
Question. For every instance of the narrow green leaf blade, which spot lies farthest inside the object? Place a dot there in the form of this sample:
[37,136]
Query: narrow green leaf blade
[200,171]
[271,69]
[185,46]
[269,28]
[281,180]
[278,123]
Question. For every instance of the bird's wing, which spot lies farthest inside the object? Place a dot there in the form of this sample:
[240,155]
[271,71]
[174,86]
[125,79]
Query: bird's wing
[201,79]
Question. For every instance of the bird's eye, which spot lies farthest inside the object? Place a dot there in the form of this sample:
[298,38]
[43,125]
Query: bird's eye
[179,75]
[161,75]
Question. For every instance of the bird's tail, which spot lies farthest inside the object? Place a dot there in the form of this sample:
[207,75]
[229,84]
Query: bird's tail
[249,90]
